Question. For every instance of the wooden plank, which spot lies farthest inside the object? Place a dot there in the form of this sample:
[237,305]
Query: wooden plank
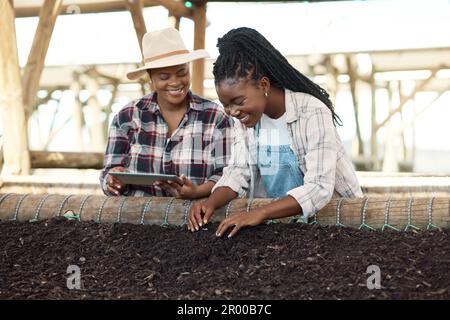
[70,160]
[15,144]
[35,64]
[198,66]
[135,8]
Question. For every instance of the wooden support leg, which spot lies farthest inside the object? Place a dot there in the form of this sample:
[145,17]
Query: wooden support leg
[15,143]
[198,66]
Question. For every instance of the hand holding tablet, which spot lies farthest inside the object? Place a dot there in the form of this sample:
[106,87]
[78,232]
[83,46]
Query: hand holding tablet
[179,187]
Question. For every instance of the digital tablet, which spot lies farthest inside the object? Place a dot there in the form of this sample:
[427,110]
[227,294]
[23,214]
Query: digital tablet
[144,178]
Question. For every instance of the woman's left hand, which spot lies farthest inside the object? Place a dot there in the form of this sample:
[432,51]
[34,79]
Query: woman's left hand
[187,190]
[240,220]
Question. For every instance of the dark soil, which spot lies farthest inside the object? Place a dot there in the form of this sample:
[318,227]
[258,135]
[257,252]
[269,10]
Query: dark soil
[277,261]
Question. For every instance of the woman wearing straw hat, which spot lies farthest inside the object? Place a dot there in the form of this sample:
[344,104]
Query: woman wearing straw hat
[170,130]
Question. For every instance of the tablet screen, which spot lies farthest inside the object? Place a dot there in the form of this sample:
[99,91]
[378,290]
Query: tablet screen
[144,178]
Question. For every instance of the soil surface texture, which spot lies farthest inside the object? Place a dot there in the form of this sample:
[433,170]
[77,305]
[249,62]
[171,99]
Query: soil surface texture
[41,260]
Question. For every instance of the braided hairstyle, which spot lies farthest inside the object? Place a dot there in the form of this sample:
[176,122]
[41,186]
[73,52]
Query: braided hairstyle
[245,50]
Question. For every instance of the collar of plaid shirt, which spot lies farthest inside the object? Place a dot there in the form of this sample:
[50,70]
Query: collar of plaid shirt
[151,102]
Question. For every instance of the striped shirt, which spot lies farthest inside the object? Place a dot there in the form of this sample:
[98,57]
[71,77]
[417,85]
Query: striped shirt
[139,141]
[321,156]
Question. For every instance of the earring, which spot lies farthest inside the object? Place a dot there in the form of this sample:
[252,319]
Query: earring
[266,94]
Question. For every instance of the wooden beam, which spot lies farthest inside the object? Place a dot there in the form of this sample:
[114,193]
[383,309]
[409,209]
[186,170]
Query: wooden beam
[174,7]
[69,160]
[135,8]
[404,100]
[36,58]
[53,133]
[94,73]
[198,66]
[417,113]
[15,143]
[353,78]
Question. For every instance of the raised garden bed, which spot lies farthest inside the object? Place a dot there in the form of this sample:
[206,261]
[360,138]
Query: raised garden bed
[277,261]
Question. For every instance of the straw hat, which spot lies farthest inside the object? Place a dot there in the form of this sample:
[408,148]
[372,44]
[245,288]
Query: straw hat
[164,48]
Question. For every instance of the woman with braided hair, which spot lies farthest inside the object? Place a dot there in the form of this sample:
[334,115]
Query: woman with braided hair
[286,145]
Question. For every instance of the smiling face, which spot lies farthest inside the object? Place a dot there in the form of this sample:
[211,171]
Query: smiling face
[242,99]
[171,84]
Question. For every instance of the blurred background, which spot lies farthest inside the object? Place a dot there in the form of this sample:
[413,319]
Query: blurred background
[386,65]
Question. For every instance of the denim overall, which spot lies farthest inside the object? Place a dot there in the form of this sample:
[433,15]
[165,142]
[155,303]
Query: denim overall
[279,168]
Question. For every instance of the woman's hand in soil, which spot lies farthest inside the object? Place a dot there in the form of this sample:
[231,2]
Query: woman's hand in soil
[239,220]
[186,190]
[195,219]
[114,185]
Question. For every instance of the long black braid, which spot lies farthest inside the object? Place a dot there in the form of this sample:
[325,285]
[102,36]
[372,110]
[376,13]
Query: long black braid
[245,49]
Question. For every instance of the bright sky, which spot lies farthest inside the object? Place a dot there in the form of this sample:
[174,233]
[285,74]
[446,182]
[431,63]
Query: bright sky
[293,28]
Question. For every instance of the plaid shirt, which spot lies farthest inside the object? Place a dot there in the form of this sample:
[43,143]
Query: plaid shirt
[138,140]
[321,156]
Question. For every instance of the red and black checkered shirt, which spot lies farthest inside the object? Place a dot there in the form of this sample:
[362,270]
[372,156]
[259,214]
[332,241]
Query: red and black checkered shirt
[138,140]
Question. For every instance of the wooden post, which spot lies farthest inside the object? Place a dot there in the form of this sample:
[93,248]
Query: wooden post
[174,22]
[373,136]
[402,134]
[332,81]
[15,143]
[135,7]
[198,66]
[95,110]
[389,162]
[109,108]
[352,80]
[177,23]
[413,133]
[35,64]
[78,116]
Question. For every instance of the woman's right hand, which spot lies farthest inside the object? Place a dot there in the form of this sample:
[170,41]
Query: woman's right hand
[195,219]
[113,184]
